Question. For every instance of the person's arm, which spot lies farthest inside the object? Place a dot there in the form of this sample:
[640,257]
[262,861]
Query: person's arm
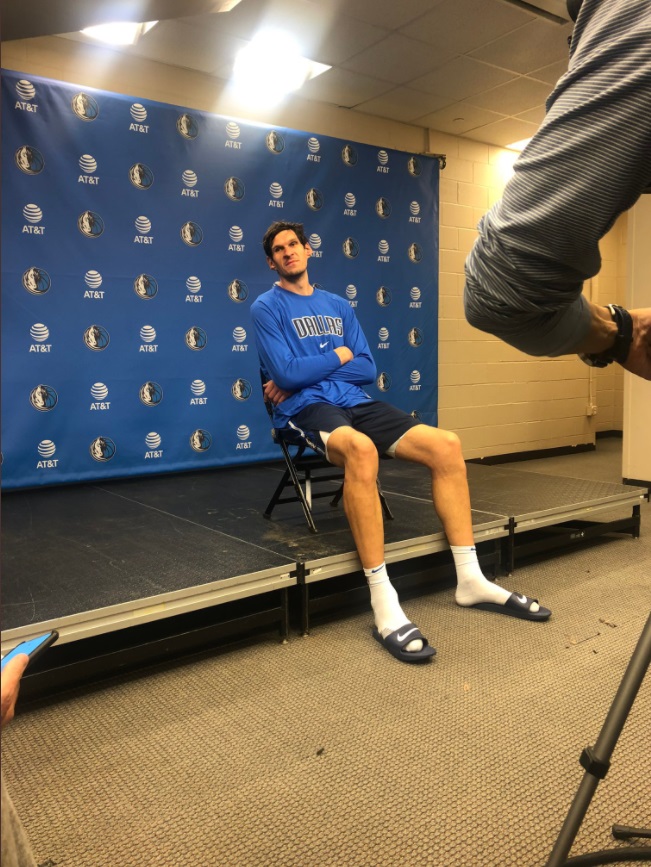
[589,161]
[288,371]
[10,680]
[361,369]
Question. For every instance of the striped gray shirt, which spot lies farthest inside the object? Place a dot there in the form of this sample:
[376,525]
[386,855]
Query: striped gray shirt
[589,161]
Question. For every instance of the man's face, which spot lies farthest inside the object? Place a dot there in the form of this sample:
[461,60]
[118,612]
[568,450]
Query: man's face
[288,256]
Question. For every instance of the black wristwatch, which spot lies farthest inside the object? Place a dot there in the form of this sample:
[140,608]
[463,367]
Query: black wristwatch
[621,347]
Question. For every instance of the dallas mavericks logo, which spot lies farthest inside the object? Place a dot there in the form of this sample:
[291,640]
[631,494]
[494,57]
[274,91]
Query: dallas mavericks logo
[43,398]
[415,253]
[141,176]
[237,290]
[383,382]
[145,286]
[383,296]
[383,208]
[275,142]
[314,199]
[84,106]
[102,449]
[37,281]
[196,338]
[234,189]
[192,233]
[187,126]
[350,248]
[241,389]
[415,414]
[29,160]
[349,155]
[415,337]
[200,440]
[90,224]
[413,166]
[96,338]
[151,393]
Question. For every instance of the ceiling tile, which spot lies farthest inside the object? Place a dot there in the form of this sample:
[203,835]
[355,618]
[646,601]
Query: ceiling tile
[537,44]
[403,104]
[397,58]
[461,25]
[383,13]
[513,97]
[206,51]
[461,77]
[551,73]
[458,119]
[341,87]
[341,41]
[534,115]
[503,132]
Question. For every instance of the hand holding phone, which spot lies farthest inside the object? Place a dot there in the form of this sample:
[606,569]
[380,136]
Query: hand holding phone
[33,647]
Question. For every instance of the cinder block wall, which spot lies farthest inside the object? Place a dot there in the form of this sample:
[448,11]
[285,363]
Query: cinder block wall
[498,400]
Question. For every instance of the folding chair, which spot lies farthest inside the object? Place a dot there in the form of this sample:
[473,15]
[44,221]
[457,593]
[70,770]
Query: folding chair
[303,471]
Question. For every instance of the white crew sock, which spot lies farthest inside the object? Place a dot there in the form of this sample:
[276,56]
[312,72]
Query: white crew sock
[388,614]
[472,585]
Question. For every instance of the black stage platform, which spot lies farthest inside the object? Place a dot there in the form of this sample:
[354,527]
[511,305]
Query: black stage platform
[91,560]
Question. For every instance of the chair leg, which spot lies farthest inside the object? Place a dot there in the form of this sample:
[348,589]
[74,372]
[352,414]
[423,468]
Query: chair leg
[388,514]
[276,495]
[299,490]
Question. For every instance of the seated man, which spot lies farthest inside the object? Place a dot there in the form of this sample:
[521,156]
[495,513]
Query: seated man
[316,356]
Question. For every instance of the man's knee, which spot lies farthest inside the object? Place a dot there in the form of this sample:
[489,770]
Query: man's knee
[360,455]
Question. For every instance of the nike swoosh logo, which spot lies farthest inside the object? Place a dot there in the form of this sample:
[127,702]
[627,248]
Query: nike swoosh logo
[522,599]
[321,345]
[408,632]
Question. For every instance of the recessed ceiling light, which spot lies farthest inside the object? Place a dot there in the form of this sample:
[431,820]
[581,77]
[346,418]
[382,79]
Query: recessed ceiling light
[119,32]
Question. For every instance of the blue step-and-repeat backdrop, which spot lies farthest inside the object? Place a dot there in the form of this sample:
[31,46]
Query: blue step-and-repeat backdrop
[131,253]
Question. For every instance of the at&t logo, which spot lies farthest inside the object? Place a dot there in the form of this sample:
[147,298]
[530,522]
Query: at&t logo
[88,165]
[143,228]
[189,178]
[383,335]
[414,294]
[33,214]
[351,294]
[102,449]
[200,440]
[148,335]
[383,159]
[414,209]
[313,147]
[233,133]
[349,202]
[99,393]
[383,247]
[198,389]
[26,93]
[239,336]
[39,333]
[315,244]
[414,376]
[139,114]
[193,285]
[236,235]
[47,450]
[152,442]
[243,434]
[93,279]
[276,191]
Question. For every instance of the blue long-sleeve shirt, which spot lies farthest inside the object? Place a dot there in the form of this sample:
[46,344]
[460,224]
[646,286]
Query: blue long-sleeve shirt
[588,162]
[296,336]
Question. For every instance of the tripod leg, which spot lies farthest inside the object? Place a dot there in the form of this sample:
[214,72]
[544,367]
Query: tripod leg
[596,760]
[625,832]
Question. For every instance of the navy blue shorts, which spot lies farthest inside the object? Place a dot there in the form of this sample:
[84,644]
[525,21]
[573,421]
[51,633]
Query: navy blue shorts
[381,422]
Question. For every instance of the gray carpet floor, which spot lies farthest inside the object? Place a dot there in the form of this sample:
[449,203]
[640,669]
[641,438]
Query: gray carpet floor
[326,751]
